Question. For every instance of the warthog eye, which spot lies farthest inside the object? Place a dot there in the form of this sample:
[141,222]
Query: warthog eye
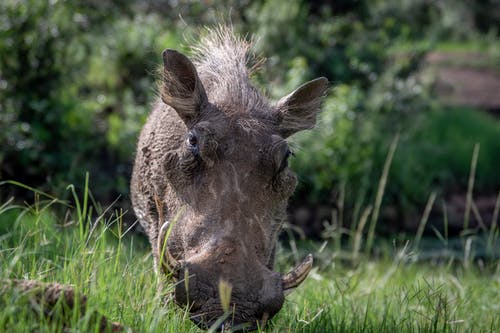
[192,142]
[284,162]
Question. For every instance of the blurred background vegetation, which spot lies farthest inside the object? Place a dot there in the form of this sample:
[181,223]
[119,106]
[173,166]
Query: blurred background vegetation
[77,81]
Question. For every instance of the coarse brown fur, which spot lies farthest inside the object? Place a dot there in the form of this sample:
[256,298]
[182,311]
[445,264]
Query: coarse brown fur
[211,165]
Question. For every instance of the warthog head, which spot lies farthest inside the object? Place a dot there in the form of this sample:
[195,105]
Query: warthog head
[211,181]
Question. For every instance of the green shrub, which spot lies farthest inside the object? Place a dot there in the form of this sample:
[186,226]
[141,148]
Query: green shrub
[75,89]
[437,154]
[77,81]
[336,151]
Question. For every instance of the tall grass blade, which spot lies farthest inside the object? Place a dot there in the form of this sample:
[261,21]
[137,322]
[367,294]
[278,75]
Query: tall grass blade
[170,226]
[445,222]
[7,206]
[380,193]
[468,253]
[470,185]
[496,210]
[340,217]
[493,226]
[478,217]
[34,190]
[85,197]
[225,290]
[71,187]
[359,232]
[360,199]
[424,219]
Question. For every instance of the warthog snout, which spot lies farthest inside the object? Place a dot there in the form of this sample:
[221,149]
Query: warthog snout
[199,289]
[213,160]
[255,295]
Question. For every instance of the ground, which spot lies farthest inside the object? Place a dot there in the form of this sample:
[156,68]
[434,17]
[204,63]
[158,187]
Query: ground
[466,78]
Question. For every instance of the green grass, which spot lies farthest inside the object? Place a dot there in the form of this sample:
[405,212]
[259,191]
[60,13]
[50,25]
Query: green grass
[114,269]
[386,297]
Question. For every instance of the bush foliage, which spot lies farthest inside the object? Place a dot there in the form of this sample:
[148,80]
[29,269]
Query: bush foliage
[77,80]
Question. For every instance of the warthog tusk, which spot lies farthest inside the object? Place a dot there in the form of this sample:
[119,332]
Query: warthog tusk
[167,261]
[298,274]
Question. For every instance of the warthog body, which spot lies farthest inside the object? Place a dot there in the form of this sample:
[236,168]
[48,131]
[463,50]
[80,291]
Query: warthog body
[211,180]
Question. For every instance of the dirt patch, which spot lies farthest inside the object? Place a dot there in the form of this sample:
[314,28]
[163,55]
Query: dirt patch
[465,78]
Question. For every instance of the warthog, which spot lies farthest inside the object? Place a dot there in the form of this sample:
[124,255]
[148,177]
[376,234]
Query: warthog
[211,180]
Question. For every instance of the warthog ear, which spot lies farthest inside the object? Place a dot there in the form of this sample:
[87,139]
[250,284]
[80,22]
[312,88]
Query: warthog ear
[181,88]
[298,110]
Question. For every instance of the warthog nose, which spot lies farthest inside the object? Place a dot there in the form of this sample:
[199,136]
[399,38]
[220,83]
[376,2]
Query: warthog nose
[253,299]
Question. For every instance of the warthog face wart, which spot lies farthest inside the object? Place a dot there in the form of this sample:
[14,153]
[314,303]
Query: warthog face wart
[211,181]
